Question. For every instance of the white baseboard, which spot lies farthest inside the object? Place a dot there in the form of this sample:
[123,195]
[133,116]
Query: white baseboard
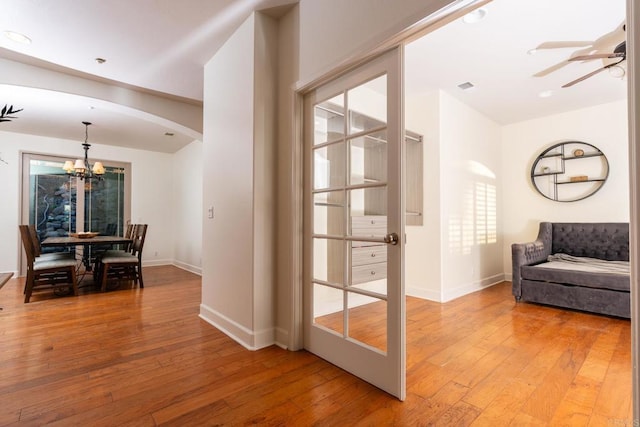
[156,262]
[245,337]
[188,267]
[469,288]
[282,338]
[451,294]
[427,294]
[182,265]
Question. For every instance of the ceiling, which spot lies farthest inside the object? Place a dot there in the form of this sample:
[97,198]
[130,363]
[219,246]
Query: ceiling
[157,46]
[161,46]
[492,54]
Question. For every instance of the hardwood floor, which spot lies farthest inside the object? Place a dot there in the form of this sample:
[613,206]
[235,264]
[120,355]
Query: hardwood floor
[134,357]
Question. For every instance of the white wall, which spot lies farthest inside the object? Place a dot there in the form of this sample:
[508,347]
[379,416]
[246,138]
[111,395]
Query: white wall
[332,31]
[604,126]
[238,243]
[187,207]
[470,167]
[288,300]
[459,248]
[151,193]
[423,260]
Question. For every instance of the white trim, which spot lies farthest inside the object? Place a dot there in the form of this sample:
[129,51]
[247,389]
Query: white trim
[422,293]
[296,336]
[157,262]
[457,292]
[240,334]
[633,96]
[282,338]
[187,267]
[472,287]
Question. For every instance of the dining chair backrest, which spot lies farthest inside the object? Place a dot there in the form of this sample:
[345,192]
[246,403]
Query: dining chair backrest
[28,245]
[129,234]
[138,239]
[37,249]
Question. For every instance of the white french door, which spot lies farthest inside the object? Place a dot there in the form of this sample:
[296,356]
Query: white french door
[354,223]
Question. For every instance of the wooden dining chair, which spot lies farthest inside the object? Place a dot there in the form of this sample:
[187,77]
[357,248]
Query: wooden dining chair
[46,274]
[125,265]
[37,248]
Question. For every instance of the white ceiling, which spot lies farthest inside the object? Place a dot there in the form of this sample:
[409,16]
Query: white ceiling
[162,46]
[492,55]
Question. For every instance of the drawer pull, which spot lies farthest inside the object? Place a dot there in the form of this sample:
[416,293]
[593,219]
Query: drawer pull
[373,255]
[373,273]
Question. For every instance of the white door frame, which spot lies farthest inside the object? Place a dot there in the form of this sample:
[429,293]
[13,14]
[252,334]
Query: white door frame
[633,96]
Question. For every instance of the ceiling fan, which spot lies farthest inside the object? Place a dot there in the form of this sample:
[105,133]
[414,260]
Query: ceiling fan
[604,43]
[620,51]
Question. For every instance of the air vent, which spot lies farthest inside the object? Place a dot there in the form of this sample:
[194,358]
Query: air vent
[466,86]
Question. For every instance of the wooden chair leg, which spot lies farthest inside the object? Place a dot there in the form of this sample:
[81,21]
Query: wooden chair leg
[74,280]
[28,286]
[139,275]
[105,271]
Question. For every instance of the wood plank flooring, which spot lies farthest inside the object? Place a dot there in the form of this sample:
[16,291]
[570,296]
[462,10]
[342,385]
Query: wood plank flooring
[134,357]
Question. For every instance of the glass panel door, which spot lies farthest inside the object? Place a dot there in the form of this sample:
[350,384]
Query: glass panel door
[52,200]
[104,203]
[354,295]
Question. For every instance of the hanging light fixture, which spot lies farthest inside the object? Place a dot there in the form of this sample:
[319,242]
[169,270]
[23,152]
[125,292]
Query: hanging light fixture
[81,168]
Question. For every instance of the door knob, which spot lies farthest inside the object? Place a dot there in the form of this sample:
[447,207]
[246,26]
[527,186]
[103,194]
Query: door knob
[391,239]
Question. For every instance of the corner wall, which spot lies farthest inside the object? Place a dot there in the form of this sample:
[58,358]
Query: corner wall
[604,126]
[187,207]
[458,250]
[238,250]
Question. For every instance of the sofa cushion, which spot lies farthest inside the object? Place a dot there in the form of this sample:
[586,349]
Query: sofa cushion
[548,272]
[604,240]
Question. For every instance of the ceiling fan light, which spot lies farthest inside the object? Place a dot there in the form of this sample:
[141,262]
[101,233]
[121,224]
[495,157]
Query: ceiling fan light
[475,16]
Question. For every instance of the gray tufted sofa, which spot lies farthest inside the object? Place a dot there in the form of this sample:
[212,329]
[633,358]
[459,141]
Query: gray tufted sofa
[593,291]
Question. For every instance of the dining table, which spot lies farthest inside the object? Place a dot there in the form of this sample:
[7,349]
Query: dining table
[86,242]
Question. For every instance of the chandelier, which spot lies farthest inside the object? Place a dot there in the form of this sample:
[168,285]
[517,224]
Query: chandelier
[82,168]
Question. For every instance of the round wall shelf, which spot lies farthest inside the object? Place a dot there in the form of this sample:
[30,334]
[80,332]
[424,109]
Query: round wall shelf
[569,171]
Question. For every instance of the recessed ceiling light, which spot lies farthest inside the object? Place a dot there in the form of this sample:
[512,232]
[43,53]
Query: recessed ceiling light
[475,16]
[17,37]
[532,51]
[466,86]
[545,93]
[617,71]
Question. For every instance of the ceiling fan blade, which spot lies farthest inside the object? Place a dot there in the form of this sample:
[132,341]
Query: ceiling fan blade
[563,44]
[551,69]
[596,56]
[586,76]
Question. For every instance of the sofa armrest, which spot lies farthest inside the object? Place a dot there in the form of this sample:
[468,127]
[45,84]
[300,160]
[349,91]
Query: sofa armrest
[530,253]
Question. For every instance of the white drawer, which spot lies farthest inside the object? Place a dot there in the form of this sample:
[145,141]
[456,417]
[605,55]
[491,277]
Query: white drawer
[369,226]
[368,255]
[368,273]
